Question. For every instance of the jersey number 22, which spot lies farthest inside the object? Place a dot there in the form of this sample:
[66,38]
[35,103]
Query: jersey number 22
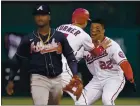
[106,64]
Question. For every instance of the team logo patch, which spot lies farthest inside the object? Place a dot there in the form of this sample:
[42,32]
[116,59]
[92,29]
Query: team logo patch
[46,48]
[121,54]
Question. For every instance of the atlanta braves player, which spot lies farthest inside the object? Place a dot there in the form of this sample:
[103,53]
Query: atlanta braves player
[43,48]
[108,70]
[77,38]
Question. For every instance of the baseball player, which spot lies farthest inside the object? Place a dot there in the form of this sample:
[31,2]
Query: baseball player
[108,70]
[43,47]
[78,38]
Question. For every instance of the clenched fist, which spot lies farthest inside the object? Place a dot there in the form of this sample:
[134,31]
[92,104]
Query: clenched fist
[9,88]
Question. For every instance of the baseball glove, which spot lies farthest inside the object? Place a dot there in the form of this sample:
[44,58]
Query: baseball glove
[75,86]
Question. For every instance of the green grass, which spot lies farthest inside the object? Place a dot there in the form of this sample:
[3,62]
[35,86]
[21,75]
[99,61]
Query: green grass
[65,101]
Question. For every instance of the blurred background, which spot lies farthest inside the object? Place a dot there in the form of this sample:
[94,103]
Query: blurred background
[122,23]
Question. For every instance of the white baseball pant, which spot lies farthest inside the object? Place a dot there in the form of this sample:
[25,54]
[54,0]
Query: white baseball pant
[108,89]
[43,89]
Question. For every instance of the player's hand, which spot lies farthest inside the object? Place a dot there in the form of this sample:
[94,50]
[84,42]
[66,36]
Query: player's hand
[9,88]
[75,86]
[105,44]
[133,85]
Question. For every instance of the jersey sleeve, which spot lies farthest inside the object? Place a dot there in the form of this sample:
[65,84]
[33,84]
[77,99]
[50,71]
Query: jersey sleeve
[79,54]
[23,49]
[66,48]
[117,54]
[87,43]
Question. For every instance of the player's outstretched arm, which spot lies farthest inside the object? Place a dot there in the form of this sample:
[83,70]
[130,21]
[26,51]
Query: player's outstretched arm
[72,62]
[126,67]
[68,53]
[75,86]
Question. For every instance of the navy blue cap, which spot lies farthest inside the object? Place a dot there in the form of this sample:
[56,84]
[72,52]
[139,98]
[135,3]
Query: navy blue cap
[42,9]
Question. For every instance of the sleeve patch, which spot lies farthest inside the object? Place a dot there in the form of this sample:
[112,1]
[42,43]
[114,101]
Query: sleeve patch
[121,54]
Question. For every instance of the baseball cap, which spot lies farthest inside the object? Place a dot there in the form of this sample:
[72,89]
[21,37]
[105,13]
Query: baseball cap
[42,9]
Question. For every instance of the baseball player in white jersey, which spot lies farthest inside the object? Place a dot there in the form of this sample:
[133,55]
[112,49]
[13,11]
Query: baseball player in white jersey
[78,38]
[108,70]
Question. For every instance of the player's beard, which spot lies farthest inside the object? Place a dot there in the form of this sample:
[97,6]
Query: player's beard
[43,25]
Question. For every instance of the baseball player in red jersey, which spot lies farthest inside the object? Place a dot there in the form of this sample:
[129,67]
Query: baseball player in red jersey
[108,70]
[78,38]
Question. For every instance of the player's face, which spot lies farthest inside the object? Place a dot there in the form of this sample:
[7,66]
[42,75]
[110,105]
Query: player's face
[96,31]
[42,20]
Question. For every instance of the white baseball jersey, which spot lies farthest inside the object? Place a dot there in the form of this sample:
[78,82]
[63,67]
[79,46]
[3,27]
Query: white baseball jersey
[76,37]
[107,64]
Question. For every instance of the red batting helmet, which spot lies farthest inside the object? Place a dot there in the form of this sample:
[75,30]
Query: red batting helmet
[80,15]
